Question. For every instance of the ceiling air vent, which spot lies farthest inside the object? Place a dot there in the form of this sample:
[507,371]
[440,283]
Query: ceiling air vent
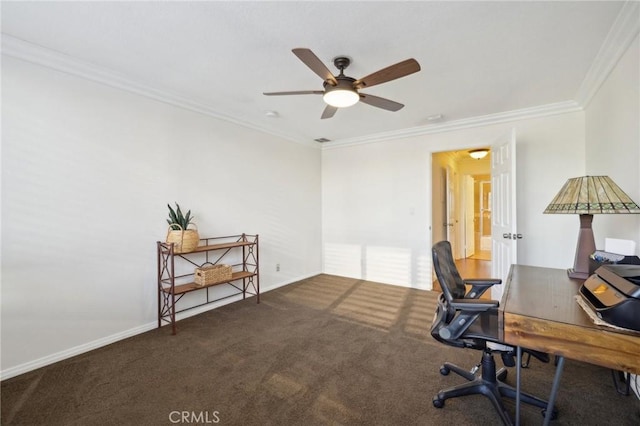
[321,140]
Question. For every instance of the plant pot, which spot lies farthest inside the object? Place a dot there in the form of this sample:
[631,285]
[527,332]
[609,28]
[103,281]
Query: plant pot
[184,240]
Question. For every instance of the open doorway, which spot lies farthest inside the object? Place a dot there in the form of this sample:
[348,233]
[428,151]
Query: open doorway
[462,209]
[482,217]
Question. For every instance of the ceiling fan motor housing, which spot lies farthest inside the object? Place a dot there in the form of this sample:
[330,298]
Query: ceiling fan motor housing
[344,83]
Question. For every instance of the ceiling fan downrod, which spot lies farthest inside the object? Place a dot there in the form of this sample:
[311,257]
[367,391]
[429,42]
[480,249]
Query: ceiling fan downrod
[341,62]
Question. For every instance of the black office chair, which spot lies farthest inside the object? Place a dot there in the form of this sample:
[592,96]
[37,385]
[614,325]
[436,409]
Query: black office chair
[465,321]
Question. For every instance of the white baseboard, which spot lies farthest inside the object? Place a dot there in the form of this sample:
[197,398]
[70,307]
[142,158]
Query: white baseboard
[76,350]
[290,281]
[95,344]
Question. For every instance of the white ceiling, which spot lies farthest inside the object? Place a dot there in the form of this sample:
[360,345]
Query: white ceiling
[477,58]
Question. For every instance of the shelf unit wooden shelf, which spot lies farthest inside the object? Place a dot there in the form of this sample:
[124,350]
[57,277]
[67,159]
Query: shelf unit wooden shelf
[188,287]
[245,277]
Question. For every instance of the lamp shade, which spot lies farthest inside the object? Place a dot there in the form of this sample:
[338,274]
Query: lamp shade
[586,196]
[591,195]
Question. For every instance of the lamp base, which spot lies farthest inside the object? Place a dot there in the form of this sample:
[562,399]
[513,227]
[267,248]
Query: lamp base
[577,275]
[586,246]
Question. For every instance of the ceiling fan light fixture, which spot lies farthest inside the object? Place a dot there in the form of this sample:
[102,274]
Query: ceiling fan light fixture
[478,153]
[340,96]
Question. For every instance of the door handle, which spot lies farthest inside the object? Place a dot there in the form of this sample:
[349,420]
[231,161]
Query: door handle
[510,236]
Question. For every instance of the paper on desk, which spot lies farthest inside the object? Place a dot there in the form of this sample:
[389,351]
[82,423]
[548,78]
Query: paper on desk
[595,318]
[614,245]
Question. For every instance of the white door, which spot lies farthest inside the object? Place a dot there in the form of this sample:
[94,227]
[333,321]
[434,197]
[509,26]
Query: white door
[503,205]
[469,213]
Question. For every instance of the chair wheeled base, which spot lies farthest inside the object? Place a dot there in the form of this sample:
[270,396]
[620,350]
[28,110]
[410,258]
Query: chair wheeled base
[490,384]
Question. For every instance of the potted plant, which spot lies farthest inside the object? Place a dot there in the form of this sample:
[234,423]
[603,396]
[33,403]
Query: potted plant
[184,239]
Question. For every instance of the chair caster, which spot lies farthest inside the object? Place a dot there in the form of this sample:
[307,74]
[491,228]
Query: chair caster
[502,376]
[437,402]
[554,414]
[444,370]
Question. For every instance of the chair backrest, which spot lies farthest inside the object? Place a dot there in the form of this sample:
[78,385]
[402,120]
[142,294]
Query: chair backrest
[460,319]
[452,288]
[446,271]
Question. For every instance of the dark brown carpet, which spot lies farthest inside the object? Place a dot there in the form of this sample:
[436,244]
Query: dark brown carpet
[324,351]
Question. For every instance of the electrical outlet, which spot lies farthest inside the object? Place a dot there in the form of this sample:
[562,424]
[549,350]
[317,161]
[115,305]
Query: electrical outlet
[277,267]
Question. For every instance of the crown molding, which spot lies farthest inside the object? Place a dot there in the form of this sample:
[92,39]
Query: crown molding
[29,52]
[485,120]
[622,33]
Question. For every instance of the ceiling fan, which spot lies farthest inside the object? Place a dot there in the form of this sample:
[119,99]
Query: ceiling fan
[341,91]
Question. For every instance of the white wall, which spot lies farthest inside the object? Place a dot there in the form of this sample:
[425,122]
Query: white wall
[377,205]
[613,143]
[87,172]
[375,215]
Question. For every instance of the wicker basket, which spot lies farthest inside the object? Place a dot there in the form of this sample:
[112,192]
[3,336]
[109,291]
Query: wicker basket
[184,240]
[212,274]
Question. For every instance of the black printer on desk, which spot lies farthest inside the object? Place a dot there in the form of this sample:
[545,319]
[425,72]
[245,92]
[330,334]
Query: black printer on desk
[613,292]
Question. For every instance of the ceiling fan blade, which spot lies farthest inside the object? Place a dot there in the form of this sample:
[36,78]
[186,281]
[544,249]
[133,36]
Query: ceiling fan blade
[328,112]
[316,65]
[299,92]
[401,69]
[379,102]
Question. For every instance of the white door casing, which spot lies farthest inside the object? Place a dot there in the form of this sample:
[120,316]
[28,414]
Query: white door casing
[450,209]
[503,205]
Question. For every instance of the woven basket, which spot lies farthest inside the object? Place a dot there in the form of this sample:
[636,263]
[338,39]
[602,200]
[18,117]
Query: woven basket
[184,240]
[212,274]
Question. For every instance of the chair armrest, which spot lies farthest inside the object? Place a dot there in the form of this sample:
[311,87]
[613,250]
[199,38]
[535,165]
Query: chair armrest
[483,282]
[467,312]
[474,305]
[480,285]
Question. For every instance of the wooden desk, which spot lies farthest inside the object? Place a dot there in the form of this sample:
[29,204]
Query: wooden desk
[538,311]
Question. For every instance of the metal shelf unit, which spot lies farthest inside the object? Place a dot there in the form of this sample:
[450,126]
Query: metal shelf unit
[212,251]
